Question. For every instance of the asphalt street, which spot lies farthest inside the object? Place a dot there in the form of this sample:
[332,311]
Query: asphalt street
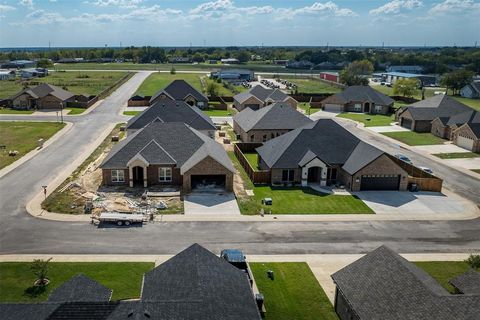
[22,233]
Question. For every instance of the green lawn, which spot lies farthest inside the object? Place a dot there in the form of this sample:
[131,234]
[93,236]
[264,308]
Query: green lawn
[74,111]
[293,294]
[78,82]
[443,271]
[370,120]
[297,200]
[252,158]
[308,109]
[472,103]
[13,111]
[217,113]
[414,138]
[311,85]
[457,155]
[124,278]
[475,170]
[22,137]
[131,113]
[158,81]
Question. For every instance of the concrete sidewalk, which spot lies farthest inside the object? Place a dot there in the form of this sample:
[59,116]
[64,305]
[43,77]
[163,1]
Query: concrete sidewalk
[322,265]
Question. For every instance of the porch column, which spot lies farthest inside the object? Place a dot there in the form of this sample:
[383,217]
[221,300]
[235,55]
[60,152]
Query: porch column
[304,176]
[323,176]
[130,176]
[145,177]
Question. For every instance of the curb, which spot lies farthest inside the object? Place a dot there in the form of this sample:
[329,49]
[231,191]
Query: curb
[35,151]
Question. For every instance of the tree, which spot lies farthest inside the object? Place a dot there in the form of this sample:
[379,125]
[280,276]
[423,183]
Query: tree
[242,56]
[456,80]
[40,270]
[44,63]
[173,71]
[405,87]
[474,261]
[355,73]
[212,89]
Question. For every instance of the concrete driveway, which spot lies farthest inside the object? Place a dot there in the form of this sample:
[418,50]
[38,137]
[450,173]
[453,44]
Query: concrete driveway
[407,203]
[392,128]
[211,204]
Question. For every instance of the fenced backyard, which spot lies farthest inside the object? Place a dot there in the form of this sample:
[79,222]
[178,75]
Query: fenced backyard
[257,176]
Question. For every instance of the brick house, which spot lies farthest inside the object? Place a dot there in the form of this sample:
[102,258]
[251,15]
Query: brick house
[467,136]
[444,127]
[180,90]
[324,153]
[259,97]
[173,111]
[267,123]
[359,99]
[44,96]
[168,154]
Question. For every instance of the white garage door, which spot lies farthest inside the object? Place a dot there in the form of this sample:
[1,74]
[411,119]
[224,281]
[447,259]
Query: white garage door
[333,107]
[465,143]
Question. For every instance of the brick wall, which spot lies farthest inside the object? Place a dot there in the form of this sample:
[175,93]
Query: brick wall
[438,129]
[207,166]
[152,176]
[107,178]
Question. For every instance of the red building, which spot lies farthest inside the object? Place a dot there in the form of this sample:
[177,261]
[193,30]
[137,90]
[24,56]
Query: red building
[329,76]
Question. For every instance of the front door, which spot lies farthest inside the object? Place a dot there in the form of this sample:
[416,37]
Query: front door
[313,174]
[138,175]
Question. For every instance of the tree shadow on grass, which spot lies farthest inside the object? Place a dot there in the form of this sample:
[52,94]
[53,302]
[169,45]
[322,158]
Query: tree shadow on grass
[35,291]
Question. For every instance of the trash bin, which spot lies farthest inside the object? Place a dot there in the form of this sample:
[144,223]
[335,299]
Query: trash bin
[270,274]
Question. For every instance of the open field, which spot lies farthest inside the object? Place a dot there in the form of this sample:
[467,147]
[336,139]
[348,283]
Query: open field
[78,82]
[311,85]
[457,155]
[294,293]
[158,81]
[443,271]
[23,137]
[370,120]
[124,278]
[414,138]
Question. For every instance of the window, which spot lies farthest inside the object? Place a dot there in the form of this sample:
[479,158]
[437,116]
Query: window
[357,107]
[288,175]
[264,138]
[165,174]
[252,138]
[272,135]
[378,108]
[118,176]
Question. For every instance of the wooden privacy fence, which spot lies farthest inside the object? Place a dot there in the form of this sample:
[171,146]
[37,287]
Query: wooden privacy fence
[424,180]
[257,177]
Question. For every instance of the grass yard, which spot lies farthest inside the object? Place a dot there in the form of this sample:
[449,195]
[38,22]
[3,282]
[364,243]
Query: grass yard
[457,155]
[23,137]
[307,108]
[443,271]
[414,138]
[217,113]
[311,85]
[297,200]
[247,183]
[158,81]
[74,111]
[252,158]
[131,113]
[124,278]
[472,103]
[370,120]
[293,294]
[475,170]
[9,88]
[13,111]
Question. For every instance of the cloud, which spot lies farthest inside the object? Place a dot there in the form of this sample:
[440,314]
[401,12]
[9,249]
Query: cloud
[317,8]
[117,3]
[6,8]
[41,17]
[26,3]
[455,6]
[396,7]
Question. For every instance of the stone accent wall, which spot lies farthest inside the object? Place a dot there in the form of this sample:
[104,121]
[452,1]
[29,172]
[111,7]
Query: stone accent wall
[107,178]
[465,131]
[438,129]
[205,167]
[382,165]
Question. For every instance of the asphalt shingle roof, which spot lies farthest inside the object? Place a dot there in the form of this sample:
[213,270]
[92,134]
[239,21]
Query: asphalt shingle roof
[179,90]
[363,93]
[437,106]
[80,288]
[362,155]
[263,94]
[383,285]
[273,117]
[464,117]
[178,143]
[172,111]
[45,89]
[468,282]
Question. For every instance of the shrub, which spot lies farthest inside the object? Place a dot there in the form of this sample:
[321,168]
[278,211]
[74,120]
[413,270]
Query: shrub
[474,261]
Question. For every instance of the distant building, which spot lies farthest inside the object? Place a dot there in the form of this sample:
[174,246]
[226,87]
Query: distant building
[303,64]
[406,69]
[180,90]
[330,76]
[44,96]
[180,60]
[18,64]
[281,62]
[33,73]
[425,80]
[259,97]
[230,61]
[7,74]
[471,90]
[233,74]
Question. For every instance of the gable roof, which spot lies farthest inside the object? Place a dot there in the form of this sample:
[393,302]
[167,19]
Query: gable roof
[80,288]
[167,143]
[383,285]
[45,89]
[263,94]
[276,116]
[325,138]
[179,90]
[362,155]
[471,116]
[172,111]
[468,282]
[437,106]
[363,93]
[475,127]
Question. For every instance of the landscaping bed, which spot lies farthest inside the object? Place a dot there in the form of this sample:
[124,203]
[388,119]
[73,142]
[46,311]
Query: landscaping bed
[414,138]
[457,155]
[16,278]
[23,137]
[369,120]
[294,293]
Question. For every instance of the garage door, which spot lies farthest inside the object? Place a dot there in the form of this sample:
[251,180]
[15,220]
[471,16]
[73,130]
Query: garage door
[465,143]
[333,107]
[406,123]
[208,182]
[380,182]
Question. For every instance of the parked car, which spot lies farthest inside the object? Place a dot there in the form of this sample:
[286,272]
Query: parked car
[403,158]
[427,170]
[236,258]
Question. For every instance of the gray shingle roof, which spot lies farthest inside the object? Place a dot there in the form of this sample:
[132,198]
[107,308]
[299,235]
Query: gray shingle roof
[172,111]
[468,282]
[328,140]
[273,117]
[437,106]
[363,93]
[45,89]
[475,127]
[263,94]
[362,155]
[179,90]
[174,142]
[80,288]
[383,285]
[471,116]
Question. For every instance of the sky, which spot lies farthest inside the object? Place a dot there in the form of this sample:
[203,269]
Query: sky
[86,23]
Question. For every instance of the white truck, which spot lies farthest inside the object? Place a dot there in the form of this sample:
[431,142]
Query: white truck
[120,218]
